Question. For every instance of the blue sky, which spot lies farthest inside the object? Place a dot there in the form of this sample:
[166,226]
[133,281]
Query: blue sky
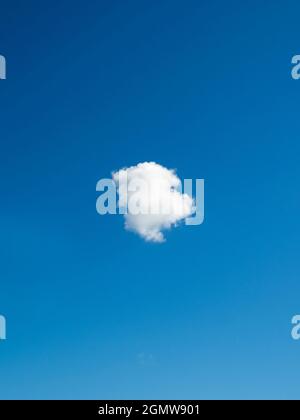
[201,86]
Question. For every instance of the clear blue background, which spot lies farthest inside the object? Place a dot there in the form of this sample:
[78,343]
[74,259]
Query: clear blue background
[202,86]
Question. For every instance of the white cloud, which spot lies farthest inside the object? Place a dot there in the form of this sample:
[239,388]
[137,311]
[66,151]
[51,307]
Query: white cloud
[153,196]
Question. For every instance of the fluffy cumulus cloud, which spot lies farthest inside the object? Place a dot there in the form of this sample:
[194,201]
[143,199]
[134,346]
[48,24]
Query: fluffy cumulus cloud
[152,197]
